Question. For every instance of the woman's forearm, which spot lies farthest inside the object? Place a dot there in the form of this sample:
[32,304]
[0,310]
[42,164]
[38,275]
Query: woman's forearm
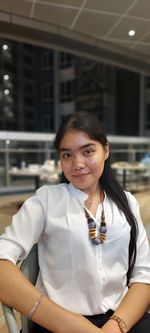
[132,307]
[19,293]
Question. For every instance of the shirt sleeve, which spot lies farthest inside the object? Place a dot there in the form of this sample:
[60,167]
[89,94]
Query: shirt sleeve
[24,231]
[141,271]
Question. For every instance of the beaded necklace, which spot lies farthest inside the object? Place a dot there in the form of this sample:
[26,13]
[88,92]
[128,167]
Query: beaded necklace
[96,240]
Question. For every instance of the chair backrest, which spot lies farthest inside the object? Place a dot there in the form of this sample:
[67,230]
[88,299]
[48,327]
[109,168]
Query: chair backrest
[30,268]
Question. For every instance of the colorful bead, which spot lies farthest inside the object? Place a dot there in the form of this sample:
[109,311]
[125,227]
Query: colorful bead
[92,228]
[103,229]
[92,225]
[95,241]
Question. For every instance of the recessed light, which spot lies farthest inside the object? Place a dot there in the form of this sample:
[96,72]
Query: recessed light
[5,47]
[131,33]
[6,91]
[6,77]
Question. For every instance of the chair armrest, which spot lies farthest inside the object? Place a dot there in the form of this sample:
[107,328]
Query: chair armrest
[10,319]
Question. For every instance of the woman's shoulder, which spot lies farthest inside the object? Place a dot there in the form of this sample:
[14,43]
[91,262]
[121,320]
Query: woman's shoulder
[52,193]
[57,189]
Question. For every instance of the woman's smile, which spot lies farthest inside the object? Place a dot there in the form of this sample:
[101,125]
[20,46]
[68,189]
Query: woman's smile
[80,176]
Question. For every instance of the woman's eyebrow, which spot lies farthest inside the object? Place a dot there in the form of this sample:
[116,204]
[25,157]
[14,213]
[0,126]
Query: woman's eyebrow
[87,145]
[64,149]
[80,148]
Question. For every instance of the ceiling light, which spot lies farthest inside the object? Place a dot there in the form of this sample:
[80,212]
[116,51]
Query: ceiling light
[5,47]
[6,91]
[6,77]
[131,33]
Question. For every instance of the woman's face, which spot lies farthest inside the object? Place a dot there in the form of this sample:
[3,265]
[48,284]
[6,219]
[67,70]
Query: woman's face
[82,159]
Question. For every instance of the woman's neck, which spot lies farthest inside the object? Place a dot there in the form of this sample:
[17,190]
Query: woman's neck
[94,200]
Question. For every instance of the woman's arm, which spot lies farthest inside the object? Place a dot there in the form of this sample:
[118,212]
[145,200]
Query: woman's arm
[17,292]
[132,307]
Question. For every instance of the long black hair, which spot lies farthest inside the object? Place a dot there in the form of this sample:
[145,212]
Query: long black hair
[90,124]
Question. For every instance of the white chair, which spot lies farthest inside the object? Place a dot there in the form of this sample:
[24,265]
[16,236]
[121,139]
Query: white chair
[30,268]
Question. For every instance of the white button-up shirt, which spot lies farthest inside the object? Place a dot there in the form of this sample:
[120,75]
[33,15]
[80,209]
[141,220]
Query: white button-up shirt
[82,277]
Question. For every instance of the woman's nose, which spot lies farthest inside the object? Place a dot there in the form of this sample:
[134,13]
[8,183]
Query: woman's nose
[77,163]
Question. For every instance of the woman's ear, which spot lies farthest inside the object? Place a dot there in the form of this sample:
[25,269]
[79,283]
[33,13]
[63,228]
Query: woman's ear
[106,151]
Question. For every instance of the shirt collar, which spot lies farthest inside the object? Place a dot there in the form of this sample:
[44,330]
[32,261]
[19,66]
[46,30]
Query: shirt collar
[80,195]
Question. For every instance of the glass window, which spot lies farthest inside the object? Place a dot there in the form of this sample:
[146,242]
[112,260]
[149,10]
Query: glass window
[28,73]
[48,92]
[66,59]
[148,117]
[48,123]
[47,60]
[67,91]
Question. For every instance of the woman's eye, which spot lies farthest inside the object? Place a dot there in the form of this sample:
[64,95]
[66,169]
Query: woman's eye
[65,155]
[89,152]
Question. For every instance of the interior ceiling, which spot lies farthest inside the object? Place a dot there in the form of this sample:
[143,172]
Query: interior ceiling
[95,28]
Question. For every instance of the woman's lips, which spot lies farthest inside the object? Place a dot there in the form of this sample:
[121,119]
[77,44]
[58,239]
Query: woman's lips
[81,175]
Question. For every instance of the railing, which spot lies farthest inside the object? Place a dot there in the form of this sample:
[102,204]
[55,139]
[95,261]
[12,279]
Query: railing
[17,148]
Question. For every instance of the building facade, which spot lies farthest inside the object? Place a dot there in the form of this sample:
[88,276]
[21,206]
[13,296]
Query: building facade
[40,87]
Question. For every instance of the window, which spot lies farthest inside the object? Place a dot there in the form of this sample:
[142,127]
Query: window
[29,100]
[28,59]
[148,117]
[48,93]
[48,123]
[66,59]
[148,82]
[28,73]
[29,88]
[66,91]
[47,60]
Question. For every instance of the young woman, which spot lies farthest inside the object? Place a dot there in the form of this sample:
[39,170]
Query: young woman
[93,251]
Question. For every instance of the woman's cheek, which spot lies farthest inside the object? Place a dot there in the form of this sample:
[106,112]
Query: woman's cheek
[94,162]
[68,168]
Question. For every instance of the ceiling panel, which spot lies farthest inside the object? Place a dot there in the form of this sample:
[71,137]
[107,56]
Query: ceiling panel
[141,9]
[81,25]
[96,24]
[110,6]
[16,7]
[59,16]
